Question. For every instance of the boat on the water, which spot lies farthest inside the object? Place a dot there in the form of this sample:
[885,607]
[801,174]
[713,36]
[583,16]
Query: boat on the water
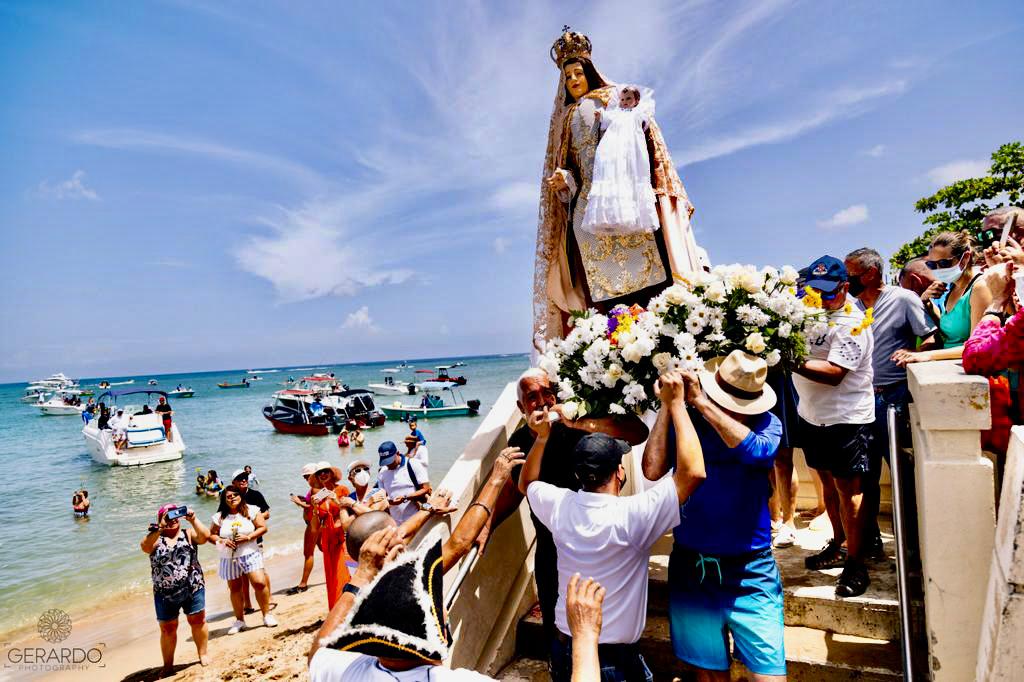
[433,405]
[62,403]
[440,373]
[147,440]
[244,383]
[180,392]
[119,383]
[391,387]
[152,382]
[292,413]
[255,377]
[47,386]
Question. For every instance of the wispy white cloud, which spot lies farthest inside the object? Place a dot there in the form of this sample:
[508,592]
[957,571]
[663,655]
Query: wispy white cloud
[958,170]
[70,189]
[851,215]
[875,152]
[842,103]
[134,139]
[312,251]
[360,320]
[443,330]
[500,245]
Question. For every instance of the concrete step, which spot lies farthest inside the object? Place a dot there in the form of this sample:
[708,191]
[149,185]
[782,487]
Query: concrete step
[811,655]
[810,596]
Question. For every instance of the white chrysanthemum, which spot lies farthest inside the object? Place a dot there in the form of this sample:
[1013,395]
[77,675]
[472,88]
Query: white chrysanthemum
[569,410]
[817,329]
[612,375]
[675,294]
[550,366]
[565,390]
[789,275]
[685,342]
[747,314]
[785,329]
[670,330]
[715,292]
[633,394]
[755,343]
[659,306]
[615,408]
[774,357]
[694,325]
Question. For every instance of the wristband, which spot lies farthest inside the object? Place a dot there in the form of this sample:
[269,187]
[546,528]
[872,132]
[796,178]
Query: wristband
[998,313]
[482,506]
[351,589]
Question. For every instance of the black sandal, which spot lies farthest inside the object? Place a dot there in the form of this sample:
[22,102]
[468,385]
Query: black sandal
[298,589]
[853,581]
[833,556]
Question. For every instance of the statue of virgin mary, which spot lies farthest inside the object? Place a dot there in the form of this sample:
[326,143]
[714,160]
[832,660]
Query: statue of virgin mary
[576,269]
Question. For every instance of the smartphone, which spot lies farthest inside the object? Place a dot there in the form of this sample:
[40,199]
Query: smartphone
[176,513]
[1007,227]
[322,495]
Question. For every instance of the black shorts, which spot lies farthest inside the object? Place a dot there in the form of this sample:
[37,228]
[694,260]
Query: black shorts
[843,450]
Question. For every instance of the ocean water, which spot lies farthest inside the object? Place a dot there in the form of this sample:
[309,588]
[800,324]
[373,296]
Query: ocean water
[49,559]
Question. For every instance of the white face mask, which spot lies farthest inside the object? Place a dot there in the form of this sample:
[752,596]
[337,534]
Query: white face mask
[948,275]
[362,478]
[1018,284]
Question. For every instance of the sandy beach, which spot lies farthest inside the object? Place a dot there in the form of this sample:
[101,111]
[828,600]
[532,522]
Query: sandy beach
[128,637]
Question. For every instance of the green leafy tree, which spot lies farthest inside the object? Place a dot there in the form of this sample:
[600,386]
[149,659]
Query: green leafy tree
[963,204]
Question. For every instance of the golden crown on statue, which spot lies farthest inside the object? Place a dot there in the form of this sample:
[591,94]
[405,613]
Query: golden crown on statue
[570,44]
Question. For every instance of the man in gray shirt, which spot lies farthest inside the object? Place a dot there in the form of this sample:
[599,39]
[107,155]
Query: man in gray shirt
[900,319]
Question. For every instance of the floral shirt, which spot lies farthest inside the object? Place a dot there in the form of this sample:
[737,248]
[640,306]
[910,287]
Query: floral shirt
[175,567]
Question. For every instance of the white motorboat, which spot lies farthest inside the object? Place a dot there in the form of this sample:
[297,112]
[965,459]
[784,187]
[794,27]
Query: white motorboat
[47,386]
[152,382]
[147,441]
[391,387]
[64,402]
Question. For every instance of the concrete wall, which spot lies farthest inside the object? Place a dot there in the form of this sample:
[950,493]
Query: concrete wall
[1001,650]
[956,511]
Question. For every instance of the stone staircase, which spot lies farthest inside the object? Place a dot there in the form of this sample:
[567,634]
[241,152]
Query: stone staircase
[827,639]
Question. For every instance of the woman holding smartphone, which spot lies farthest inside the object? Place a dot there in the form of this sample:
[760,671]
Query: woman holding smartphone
[331,511]
[235,529]
[177,578]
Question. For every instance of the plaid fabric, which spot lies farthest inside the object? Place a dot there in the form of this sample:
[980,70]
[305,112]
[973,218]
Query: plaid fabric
[236,567]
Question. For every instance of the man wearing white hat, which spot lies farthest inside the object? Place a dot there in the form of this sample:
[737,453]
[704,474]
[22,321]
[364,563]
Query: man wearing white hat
[722,575]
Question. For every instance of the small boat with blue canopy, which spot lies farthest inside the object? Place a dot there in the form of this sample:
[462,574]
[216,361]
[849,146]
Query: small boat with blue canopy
[144,439]
[433,404]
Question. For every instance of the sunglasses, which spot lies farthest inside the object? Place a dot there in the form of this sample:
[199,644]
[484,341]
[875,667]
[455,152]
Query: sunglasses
[942,263]
[358,469]
[324,471]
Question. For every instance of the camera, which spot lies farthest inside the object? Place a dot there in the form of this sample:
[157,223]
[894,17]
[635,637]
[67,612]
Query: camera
[176,513]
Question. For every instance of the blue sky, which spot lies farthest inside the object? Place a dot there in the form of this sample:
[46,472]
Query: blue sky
[194,185]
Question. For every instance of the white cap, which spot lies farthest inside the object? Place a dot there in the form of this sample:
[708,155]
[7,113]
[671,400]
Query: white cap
[308,469]
[239,473]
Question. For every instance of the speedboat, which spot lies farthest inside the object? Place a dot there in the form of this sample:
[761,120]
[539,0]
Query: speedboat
[152,382]
[242,384]
[433,405]
[440,373]
[62,403]
[147,440]
[291,412]
[180,392]
[255,377]
[389,386]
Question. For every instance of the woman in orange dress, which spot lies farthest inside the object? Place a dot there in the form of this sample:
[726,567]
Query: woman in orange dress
[329,520]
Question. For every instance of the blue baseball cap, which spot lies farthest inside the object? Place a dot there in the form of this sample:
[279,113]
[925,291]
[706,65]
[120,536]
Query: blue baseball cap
[387,451]
[826,274]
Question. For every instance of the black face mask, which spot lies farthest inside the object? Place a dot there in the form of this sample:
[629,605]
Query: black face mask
[856,286]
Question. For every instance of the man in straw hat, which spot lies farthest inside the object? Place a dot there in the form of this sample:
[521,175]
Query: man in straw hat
[607,537]
[722,575]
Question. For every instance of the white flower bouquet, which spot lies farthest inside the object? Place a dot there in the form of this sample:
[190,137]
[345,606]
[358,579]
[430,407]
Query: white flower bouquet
[608,364]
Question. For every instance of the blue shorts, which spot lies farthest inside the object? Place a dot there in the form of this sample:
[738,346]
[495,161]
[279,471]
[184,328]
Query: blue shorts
[713,597]
[167,609]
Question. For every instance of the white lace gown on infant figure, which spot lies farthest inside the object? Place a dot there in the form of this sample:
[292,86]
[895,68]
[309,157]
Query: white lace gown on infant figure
[621,200]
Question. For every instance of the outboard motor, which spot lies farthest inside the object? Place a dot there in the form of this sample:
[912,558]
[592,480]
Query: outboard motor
[473,405]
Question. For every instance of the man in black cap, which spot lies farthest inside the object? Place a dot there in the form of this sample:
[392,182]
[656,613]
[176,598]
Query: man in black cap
[607,537]
[535,391]
[836,411]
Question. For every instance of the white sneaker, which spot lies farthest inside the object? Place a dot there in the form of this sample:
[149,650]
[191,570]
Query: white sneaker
[236,627]
[269,621]
[786,537]
[776,526]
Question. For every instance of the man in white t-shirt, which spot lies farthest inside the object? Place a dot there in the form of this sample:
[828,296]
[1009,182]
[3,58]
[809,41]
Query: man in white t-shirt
[406,482]
[607,537]
[836,412]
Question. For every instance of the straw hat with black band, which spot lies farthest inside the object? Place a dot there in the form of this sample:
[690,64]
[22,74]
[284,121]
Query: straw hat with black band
[737,382]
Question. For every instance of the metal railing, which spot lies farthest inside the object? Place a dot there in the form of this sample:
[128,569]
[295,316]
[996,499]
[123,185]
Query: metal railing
[460,577]
[901,544]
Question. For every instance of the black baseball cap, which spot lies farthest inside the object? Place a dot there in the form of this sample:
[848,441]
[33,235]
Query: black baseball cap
[826,274]
[598,456]
[387,452]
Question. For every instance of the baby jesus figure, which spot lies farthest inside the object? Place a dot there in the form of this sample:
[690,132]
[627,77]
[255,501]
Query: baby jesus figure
[621,200]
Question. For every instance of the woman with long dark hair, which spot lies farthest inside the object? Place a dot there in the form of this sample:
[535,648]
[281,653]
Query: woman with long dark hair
[235,528]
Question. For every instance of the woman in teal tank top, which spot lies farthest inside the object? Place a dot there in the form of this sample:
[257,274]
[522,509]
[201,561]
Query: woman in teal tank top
[950,260]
